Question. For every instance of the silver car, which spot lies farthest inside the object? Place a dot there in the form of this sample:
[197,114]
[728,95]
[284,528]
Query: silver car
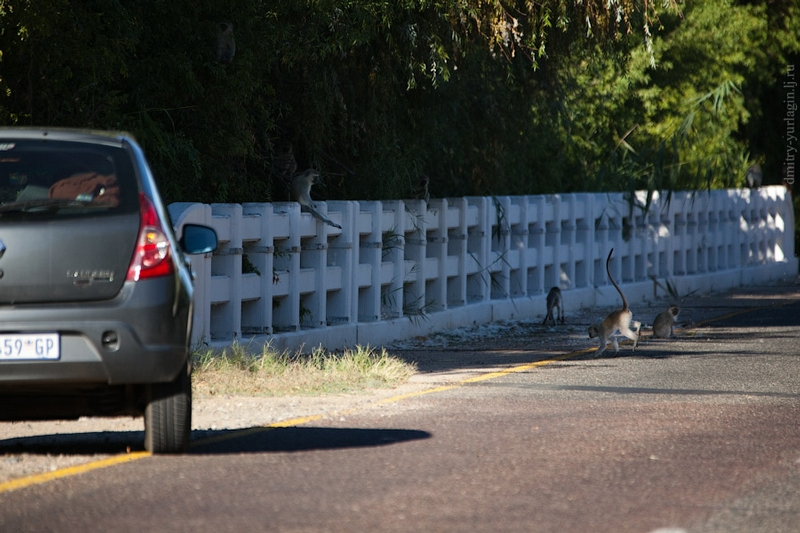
[95,289]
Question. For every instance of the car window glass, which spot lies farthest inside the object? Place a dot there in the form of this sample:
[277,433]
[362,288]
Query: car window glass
[47,178]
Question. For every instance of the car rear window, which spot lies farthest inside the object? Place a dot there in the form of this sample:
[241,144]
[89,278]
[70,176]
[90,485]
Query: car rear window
[45,178]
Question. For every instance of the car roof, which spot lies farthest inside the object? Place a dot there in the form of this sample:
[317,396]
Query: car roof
[67,134]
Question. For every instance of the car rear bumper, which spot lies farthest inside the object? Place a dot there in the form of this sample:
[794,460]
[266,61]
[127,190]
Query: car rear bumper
[146,342]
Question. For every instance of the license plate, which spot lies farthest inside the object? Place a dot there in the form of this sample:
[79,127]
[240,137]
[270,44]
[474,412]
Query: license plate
[21,346]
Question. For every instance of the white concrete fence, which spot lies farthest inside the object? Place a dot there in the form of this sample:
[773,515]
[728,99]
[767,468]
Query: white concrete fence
[398,269]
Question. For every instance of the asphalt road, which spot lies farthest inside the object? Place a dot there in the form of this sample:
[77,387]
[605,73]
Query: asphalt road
[694,434]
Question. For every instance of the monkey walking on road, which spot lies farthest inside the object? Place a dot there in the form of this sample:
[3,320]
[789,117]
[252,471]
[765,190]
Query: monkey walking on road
[301,193]
[554,300]
[617,320]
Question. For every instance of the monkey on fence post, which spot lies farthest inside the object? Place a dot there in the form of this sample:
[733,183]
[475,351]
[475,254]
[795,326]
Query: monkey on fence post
[754,176]
[301,193]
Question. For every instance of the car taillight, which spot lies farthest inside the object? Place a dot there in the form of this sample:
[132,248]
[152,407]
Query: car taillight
[152,256]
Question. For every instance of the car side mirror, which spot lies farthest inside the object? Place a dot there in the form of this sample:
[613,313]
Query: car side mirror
[197,239]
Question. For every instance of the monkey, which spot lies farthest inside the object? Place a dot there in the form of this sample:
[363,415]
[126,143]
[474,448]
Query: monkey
[420,190]
[554,300]
[753,176]
[226,46]
[301,193]
[617,320]
[664,322]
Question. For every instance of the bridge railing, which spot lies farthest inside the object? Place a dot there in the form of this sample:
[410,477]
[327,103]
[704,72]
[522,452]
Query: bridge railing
[404,268]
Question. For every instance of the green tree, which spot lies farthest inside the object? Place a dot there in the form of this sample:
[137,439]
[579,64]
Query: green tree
[483,96]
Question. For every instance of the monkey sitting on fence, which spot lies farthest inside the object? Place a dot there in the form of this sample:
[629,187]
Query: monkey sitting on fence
[301,193]
[754,176]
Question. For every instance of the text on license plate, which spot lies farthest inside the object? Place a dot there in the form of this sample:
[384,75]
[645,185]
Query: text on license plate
[18,346]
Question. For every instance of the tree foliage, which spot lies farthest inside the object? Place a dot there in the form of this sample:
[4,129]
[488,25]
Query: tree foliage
[482,96]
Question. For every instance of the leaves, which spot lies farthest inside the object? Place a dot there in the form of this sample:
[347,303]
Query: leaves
[485,97]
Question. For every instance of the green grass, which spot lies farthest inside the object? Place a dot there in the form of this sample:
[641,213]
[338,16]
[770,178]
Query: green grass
[237,371]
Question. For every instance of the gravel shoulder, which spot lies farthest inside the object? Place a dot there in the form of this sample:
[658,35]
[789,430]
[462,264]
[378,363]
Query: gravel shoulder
[29,448]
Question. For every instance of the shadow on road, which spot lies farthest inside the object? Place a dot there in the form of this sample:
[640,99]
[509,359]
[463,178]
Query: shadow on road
[89,443]
[299,439]
[247,440]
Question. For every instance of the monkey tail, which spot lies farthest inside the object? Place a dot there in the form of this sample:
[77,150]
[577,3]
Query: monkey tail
[316,214]
[608,271]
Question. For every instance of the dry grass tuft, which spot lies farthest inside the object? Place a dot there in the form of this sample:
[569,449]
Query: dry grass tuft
[236,371]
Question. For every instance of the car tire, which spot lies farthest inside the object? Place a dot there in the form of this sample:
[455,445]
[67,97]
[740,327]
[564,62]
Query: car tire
[168,415]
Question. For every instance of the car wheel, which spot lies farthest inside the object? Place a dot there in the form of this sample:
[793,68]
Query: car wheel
[168,415]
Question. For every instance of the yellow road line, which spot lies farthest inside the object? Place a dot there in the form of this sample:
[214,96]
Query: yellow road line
[485,377]
[400,397]
[36,479]
[526,367]
[120,459]
[295,421]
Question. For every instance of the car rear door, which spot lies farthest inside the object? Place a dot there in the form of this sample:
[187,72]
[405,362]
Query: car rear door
[69,220]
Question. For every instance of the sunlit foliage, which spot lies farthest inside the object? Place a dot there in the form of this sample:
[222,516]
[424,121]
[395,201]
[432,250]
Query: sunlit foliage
[482,96]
